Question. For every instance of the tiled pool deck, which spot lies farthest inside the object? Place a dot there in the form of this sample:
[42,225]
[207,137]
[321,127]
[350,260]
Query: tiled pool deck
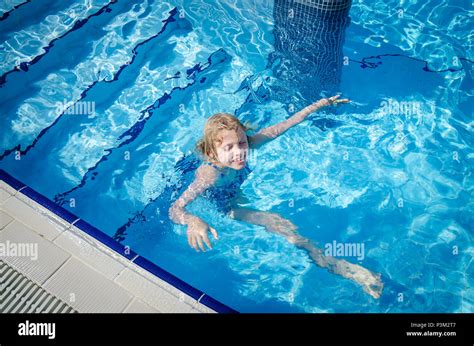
[78,269]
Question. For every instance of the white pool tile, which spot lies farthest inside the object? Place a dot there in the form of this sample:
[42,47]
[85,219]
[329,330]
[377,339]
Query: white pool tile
[200,308]
[90,254]
[138,306]
[34,216]
[86,290]
[40,258]
[174,291]
[5,219]
[4,195]
[150,293]
[7,188]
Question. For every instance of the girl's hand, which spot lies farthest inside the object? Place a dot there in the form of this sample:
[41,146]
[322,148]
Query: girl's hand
[334,100]
[197,234]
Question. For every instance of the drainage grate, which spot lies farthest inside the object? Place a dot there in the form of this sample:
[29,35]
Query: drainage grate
[18,294]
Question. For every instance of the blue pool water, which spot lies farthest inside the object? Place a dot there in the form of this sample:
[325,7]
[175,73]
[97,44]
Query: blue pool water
[393,170]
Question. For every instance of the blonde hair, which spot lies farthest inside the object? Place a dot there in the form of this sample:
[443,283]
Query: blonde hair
[214,125]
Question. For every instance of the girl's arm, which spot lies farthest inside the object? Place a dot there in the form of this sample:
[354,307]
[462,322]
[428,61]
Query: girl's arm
[272,132]
[197,228]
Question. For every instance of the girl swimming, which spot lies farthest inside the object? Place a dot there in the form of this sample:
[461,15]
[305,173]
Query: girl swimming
[225,147]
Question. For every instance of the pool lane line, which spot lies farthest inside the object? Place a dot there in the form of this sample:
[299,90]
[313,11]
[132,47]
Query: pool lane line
[85,92]
[6,14]
[367,64]
[26,16]
[23,66]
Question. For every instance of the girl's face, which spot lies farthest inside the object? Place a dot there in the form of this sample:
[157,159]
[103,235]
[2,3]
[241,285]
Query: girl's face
[232,151]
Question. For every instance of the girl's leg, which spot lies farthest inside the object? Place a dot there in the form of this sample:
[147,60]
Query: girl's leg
[273,222]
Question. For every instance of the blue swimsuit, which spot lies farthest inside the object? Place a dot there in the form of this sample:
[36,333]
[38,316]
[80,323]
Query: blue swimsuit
[227,185]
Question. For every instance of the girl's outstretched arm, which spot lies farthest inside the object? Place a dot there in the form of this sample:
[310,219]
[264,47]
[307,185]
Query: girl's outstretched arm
[272,132]
[197,228]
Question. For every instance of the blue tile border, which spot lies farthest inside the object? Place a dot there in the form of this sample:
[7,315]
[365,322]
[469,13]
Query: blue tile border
[115,245]
[105,239]
[50,205]
[16,184]
[183,286]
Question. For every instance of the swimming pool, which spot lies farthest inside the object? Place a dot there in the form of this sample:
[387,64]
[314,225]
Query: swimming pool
[102,103]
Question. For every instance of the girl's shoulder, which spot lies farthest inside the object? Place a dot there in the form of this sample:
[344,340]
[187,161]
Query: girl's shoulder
[207,170]
[208,163]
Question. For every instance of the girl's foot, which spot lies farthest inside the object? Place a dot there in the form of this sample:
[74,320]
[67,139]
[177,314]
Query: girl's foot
[370,282]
